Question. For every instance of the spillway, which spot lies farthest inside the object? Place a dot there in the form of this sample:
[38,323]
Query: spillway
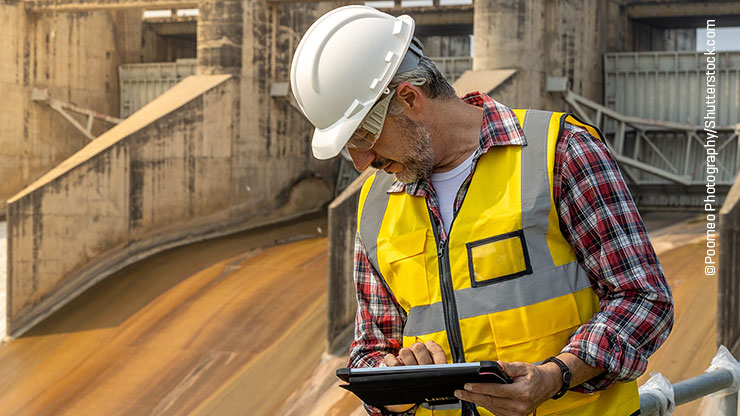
[210,328]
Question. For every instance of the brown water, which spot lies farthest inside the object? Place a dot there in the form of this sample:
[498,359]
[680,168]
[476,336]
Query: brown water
[225,327]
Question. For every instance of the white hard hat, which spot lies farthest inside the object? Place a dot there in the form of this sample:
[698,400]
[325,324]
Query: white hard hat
[342,65]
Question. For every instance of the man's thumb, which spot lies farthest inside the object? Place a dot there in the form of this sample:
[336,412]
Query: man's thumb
[514,369]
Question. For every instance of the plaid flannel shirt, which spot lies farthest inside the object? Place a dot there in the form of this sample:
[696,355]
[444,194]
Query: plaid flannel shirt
[598,218]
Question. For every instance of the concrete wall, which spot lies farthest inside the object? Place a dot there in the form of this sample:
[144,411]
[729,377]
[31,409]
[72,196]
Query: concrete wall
[202,160]
[274,146]
[562,38]
[168,175]
[149,181]
[75,56]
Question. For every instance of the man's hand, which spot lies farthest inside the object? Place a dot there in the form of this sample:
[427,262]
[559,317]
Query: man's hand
[533,385]
[417,354]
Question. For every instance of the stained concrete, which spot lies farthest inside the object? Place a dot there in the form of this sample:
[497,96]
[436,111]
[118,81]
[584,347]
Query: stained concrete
[561,38]
[75,56]
[230,158]
[151,178]
[166,176]
[88,5]
[220,35]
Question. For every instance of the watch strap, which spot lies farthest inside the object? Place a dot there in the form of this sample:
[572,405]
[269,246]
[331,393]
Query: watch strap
[566,376]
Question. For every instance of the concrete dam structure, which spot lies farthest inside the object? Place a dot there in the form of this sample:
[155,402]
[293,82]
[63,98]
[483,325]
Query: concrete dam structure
[183,253]
[191,165]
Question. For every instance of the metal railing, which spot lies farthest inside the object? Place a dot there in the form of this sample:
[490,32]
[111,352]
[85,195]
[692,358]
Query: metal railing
[658,396]
[664,162]
[692,389]
[649,149]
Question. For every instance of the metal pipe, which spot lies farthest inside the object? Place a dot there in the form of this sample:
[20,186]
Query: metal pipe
[649,404]
[696,387]
[692,389]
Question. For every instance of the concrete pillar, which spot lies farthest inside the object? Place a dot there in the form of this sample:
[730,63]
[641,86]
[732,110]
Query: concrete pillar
[220,36]
[563,38]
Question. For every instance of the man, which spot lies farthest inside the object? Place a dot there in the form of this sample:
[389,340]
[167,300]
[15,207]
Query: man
[487,233]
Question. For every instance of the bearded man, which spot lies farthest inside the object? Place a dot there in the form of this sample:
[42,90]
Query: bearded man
[487,233]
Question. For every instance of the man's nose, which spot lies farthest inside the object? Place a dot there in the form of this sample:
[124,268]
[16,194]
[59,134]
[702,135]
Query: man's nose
[361,158]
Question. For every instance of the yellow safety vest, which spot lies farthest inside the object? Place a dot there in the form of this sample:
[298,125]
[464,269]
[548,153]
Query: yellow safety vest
[506,283]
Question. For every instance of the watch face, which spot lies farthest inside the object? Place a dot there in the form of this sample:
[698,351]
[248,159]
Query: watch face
[566,377]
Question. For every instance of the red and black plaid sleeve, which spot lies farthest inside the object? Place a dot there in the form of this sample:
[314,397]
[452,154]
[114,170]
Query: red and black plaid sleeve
[600,220]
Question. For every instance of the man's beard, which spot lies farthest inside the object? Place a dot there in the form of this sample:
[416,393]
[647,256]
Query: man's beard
[419,162]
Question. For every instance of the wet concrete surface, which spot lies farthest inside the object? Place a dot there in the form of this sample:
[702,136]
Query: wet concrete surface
[224,327]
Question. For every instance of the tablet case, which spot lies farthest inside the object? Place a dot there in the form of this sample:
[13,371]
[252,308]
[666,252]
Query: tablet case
[433,384]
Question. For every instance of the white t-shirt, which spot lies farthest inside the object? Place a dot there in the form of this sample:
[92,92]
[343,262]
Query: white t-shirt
[447,184]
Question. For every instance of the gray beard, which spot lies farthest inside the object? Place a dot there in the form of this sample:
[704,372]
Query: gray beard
[420,160]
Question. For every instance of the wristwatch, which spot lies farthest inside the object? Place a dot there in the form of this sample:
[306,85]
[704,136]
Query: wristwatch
[567,376]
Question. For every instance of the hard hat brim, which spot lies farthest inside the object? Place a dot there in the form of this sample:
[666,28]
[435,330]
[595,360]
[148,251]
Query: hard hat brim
[329,142]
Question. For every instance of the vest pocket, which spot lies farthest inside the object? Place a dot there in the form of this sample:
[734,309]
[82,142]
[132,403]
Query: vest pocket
[406,245]
[498,258]
[534,332]
[403,265]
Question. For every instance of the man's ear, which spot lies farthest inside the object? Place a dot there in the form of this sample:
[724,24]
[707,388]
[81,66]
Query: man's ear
[410,98]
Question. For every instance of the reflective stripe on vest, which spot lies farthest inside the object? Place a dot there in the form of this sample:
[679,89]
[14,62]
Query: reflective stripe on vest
[518,291]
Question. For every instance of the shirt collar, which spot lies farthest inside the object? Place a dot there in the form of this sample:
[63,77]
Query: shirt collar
[500,128]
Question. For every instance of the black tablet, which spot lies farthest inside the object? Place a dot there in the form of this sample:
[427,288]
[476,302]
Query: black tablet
[433,384]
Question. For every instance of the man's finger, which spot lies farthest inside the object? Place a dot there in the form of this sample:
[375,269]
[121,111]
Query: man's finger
[391,361]
[438,354]
[515,369]
[423,357]
[407,356]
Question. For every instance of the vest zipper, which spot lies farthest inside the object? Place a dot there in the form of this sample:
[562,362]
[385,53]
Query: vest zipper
[449,306]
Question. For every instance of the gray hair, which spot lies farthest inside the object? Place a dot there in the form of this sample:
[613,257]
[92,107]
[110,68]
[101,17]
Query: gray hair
[436,85]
